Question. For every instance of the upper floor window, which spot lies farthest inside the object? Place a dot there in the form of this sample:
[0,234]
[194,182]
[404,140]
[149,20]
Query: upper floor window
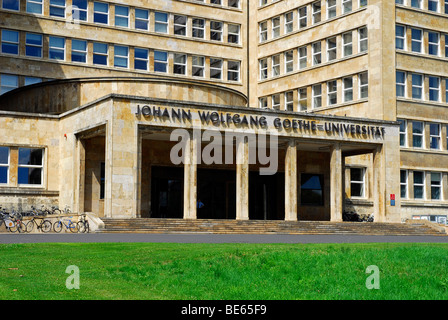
[216,30]
[4,165]
[100,53]
[30,168]
[303,17]
[121,56]
[289,22]
[141,59]
[198,66]
[79,10]
[57,8]
[8,82]
[79,51]
[346,6]
[233,33]
[316,11]
[416,40]
[160,61]
[141,19]
[10,42]
[11,5]
[263,31]
[416,4]
[180,64]
[121,16]
[400,83]
[233,70]
[363,41]
[433,5]
[33,45]
[433,43]
[331,9]
[215,68]
[56,48]
[400,37]
[34,6]
[198,28]
[161,22]
[233,3]
[100,12]
[180,25]
[275,27]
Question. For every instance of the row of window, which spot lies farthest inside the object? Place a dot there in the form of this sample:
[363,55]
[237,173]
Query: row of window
[29,168]
[300,18]
[426,185]
[98,54]
[144,19]
[229,3]
[10,82]
[431,5]
[327,94]
[418,133]
[327,50]
[421,87]
[421,41]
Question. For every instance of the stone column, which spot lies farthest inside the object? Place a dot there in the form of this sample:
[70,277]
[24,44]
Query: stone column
[291,181]
[242,178]
[336,183]
[190,178]
[379,185]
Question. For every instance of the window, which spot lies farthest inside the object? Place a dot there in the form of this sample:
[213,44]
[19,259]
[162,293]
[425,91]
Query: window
[57,8]
[434,89]
[33,45]
[400,83]
[363,41]
[56,49]
[317,55]
[101,12]
[357,185]
[416,4]
[160,61]
[419,185]
[348,89]
[234,3]
[216,30]
[276,101]
[215,2]
[275,65]
[446,6]
[10,42]
[121,56]
[161,22]
[180,25]
[32,80]
[363,82]
[404,184]
[79,51]
[446,44]
[446,90]
[417,86]
[198,66]
[289,22]
[400,37]
[331,9]
[331,49]
[436,186]
[332,92]
[316,10]
[433,43]
[275,27]
[180,64]
[362,3]
[302,57]
[303,99]
[302,17]
[34,6]
[347,44]
[8,82]
[4,165]
[11,5]
[317,96]
[263,68]
[416,40]
[198,28]
[233,33]
[141,59]
[289,61]
[263,31]
[30,166]
[100,55]
[433,5]
[346,6]
[403,132]
[215,68]
[434,136]
[141,19]
[263,103]
[233,70]
[417,134]
[289,101]
[311,189]
[79,10]
[122,16]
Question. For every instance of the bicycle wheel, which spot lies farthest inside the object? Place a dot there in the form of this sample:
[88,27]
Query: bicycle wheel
[57,226]
[87,226]
[73,227]
[46,226]
[21,227]
[13,228]
[81,227]
[29,226]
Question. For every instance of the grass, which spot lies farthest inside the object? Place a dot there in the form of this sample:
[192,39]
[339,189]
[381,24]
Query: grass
[223,271]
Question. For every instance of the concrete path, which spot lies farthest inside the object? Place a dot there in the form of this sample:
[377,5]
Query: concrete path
[213,238]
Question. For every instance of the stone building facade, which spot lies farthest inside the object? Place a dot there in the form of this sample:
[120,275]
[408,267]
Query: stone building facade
[352,94]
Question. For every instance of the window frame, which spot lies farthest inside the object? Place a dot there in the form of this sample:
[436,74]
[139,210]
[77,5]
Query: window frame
[56,49]
[119,57]
[97,14]
[404,184]
[179,64]
[140,20]
[215,69]
[363,85]
[418,134]
[100,54]
[347,89]
[332,92]
[57,7]
[163,24]
[435,138]
[34,3]
[196,66]
[6,165]
[216,32]
[121,17]
[10,43]
[180,29]
[419,185]
[41,167]
[27,45]
[196,29]
[161,62]
[316,98]
[232,71]
[138,59]
[361,182]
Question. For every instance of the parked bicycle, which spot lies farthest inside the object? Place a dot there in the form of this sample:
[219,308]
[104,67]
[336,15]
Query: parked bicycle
[43,224]
[65,222]
[83,224]
[13,220]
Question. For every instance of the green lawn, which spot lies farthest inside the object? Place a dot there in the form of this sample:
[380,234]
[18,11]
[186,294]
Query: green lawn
[224,271]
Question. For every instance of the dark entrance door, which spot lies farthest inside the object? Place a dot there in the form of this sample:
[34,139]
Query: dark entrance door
[266,196]
[167,192]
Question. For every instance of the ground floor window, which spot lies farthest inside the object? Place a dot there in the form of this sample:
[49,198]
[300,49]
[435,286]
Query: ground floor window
[312,187]
[357,182]
[30,166]
[4,165]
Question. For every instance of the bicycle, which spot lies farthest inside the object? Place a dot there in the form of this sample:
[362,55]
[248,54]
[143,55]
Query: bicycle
[15,222]
[57,226]
[44,225]
[83,224]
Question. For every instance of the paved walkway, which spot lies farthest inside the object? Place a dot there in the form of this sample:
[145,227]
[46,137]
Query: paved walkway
[213,238]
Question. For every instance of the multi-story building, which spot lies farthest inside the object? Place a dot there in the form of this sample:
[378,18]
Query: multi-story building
[353,91]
